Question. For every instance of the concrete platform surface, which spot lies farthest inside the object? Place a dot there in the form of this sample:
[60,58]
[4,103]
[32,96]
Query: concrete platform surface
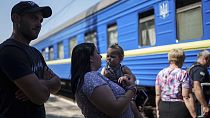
[59,107]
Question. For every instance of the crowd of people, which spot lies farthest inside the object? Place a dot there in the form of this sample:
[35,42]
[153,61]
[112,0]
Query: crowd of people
[26,81]
[178,90]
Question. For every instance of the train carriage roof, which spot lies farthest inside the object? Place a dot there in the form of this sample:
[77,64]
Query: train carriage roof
[92,10]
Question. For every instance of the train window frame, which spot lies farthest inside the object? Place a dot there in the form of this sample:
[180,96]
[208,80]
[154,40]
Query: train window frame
[187,8]
[51,53]
[110,29]
[94,40]
[72,43]
[147,18]
[45,52]
[60,50]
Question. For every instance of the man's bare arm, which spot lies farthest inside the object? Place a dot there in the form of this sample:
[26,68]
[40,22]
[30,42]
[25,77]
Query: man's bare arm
[53,84]
[51,80]
[199,93]
[31,86]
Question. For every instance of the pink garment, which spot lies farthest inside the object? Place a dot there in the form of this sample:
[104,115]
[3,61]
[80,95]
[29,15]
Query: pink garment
[171,82]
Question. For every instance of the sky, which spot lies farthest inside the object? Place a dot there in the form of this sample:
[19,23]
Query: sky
[62,10]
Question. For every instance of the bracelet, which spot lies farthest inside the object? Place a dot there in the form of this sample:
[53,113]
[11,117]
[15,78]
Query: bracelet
[132,88]
[128,77]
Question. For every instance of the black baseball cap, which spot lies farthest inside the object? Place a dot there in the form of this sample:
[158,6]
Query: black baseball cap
[31,7]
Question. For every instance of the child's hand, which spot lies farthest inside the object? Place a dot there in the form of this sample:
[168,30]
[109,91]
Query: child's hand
[125,80]
[128,76]
[107,74]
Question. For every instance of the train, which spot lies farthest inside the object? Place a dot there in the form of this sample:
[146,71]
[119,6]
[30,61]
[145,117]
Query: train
[146,30]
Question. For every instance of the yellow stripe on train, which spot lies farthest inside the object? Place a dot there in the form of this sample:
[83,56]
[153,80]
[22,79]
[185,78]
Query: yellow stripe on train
[204,44]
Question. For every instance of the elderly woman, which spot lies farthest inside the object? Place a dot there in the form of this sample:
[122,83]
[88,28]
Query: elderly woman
[173,89]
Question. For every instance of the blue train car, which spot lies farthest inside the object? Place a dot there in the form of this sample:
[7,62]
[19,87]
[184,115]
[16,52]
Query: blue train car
[146,29]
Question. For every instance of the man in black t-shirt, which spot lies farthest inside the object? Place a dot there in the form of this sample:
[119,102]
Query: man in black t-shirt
[25,80]
[199,74]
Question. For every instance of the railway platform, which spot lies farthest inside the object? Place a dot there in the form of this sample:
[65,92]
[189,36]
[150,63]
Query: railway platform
[60,107]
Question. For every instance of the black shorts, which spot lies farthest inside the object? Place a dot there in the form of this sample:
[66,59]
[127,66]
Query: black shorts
[175,109]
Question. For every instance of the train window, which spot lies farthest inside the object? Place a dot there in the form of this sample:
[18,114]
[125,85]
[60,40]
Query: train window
[147,28]
[44,53]
[60,50]
[112,34]
[51,53]
[91,37]
[189,19]
[72,44]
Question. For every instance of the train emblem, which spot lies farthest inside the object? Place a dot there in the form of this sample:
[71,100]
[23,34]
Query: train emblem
[164,9]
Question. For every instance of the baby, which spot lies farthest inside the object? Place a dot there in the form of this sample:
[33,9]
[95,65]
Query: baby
[114,70]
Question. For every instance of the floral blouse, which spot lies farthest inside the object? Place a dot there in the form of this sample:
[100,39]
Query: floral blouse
[171,82]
